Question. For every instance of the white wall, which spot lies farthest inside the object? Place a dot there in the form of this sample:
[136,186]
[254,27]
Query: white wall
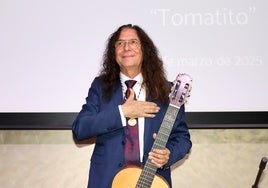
[219,158]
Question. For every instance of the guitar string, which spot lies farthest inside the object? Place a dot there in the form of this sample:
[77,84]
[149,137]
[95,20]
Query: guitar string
[150,169]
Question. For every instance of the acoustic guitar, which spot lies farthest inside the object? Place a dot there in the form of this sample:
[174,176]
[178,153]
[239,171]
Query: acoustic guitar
[135,177]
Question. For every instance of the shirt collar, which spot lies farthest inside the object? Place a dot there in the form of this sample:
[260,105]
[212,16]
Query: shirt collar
[138,78]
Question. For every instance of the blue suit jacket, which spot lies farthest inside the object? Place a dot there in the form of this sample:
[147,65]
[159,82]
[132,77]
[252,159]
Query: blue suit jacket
[101,119]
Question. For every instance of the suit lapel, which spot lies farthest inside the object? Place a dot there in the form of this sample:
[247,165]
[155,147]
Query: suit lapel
[147,134]
[118,94]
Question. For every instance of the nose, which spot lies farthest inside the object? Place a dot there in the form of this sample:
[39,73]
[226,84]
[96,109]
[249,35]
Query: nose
[126,46]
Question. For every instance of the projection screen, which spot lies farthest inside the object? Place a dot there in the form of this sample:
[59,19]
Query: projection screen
[52,50]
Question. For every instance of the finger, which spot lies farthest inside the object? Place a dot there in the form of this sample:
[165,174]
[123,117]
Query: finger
[157,164]
[148,115]
[154,135]
[164,152]
[151,106]
[158,161]
[160,154]
[151,110]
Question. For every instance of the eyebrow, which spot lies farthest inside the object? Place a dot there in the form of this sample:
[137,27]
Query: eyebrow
[127,39]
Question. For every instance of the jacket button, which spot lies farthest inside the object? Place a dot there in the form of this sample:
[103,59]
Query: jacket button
[123,143]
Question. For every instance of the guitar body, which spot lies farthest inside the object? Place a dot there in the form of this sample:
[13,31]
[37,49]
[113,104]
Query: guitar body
[128,178]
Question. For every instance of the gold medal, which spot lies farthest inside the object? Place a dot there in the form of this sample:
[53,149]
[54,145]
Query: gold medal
[132,122]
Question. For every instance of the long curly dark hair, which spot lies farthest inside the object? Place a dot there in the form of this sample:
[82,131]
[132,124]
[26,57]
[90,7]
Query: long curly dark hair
[154,76]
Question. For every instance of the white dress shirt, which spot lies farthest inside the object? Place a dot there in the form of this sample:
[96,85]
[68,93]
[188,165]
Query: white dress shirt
[140,96]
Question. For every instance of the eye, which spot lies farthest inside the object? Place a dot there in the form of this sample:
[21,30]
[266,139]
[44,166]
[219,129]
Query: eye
[119,43]
[133,42]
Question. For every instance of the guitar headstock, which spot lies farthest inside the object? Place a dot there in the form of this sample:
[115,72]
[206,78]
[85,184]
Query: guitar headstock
[180,90]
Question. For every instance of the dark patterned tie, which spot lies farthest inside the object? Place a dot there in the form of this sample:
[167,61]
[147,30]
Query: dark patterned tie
[132,149]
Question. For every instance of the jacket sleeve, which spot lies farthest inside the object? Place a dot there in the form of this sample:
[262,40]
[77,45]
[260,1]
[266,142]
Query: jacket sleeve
[97,116]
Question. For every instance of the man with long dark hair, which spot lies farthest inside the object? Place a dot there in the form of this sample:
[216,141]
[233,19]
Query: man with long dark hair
[109,113]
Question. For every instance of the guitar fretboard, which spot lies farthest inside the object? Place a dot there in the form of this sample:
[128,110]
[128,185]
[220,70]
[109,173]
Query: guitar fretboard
[149,170]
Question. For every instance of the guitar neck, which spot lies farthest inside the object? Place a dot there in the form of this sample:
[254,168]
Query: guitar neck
[149,170]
